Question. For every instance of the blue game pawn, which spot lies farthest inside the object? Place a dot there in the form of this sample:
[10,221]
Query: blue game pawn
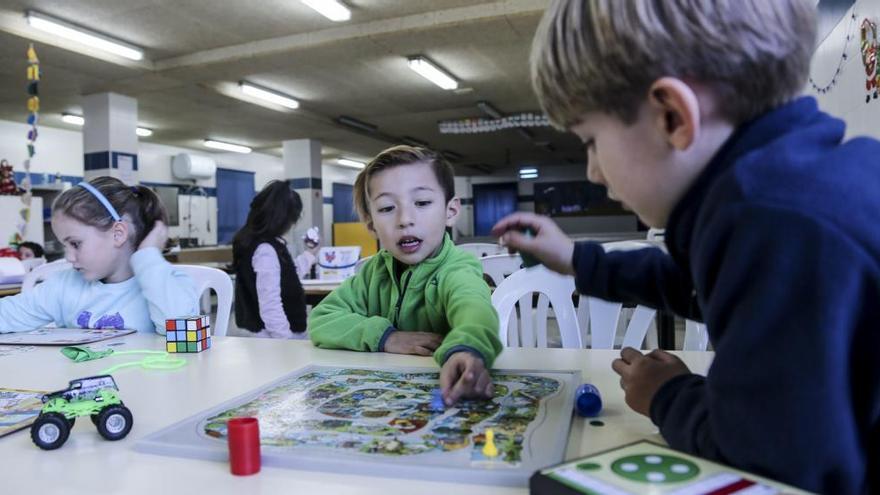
[587,401]
[437,403]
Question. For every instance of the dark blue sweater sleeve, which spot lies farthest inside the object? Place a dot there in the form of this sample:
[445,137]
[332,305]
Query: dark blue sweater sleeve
[785,295]
[643,276]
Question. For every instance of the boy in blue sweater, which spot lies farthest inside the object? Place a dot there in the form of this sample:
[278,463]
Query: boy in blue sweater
[689,116]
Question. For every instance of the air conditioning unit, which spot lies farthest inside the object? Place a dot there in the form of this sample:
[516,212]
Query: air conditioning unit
[189,167]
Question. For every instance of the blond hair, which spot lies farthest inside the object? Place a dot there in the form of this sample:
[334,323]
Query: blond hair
[603,55]
[395,157]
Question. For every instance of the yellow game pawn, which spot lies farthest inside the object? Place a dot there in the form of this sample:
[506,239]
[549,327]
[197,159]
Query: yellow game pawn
[489,448]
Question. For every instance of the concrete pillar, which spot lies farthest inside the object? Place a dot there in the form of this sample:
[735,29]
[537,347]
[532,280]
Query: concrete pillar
[110,140]
[302,166]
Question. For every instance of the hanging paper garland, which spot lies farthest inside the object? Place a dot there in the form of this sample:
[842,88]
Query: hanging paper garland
[33,106]
[480,125]
[841,61]
[869,48]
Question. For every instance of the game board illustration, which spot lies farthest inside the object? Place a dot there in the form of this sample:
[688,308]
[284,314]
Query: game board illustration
[18,408]
[372,419]
[61,336]
[648,468]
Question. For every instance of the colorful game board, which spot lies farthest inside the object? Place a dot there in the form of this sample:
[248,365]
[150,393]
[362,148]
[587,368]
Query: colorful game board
[651,469]
[382,422]
[61,336]
[18,408]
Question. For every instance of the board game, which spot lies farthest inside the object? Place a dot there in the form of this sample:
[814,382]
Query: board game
[62,336]
[382,422]
[18,408]
[651,469]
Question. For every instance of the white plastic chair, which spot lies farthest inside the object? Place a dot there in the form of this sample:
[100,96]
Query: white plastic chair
[42,272]
[696,338]
[500,266]
[601,320]
[516,291]
[482,249]
[206,278]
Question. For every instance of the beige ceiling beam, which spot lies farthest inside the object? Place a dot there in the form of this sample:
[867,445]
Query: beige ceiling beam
[416,22]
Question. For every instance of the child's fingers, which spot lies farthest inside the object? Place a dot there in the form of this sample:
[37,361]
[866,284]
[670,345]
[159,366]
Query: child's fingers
[620,367]
[448,377]
[484,385]
[422,351]
[630,355]
[462,387]
[509,222]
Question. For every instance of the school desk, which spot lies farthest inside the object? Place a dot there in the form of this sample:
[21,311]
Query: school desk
[88,464]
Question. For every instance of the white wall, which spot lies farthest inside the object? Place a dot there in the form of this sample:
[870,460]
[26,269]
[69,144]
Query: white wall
[846,99]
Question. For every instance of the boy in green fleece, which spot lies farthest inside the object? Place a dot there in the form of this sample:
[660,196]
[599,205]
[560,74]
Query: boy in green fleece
[420,294]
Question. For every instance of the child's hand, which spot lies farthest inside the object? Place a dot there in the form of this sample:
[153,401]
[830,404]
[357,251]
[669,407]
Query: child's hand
[418,343]
[642,375]
[550,245]
[157,237]
[464,376]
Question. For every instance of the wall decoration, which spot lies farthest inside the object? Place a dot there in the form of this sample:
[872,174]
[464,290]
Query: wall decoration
[479,125]
[822,89]
[868,48]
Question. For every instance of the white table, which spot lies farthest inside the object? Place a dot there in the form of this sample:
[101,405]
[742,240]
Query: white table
[88,464]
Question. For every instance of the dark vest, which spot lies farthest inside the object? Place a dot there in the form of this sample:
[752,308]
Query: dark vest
[247,308]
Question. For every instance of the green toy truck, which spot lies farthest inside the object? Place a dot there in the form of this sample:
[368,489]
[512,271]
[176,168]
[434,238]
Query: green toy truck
[95,396]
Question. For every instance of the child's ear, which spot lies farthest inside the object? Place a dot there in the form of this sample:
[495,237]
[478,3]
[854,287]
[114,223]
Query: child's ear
[371,229]
[676,110]
[453,207]
[121,231]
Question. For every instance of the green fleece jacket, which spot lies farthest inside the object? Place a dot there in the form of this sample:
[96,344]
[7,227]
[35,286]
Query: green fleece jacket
[445,294]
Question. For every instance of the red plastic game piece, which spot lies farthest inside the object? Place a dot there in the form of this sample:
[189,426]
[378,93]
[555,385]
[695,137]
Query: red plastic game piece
[244,446]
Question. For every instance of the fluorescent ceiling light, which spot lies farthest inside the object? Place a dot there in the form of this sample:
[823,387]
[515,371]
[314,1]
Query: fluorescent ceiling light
[72,119]
[143,132]
[220,145]
[350,163]
[89,38]
[431,72]
[268,95]
[528,176]
[528,171]
[331,9]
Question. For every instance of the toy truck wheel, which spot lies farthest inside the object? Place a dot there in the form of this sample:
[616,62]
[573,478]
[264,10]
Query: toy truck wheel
[50,431]
[114,422]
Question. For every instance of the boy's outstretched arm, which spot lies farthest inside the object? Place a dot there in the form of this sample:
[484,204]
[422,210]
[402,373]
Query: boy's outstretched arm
[340,321]
[464,375]
[549,243]
[644,276]
[782,395]
[472,344]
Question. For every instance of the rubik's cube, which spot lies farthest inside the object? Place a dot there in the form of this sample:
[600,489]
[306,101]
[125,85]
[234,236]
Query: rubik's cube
[188,334]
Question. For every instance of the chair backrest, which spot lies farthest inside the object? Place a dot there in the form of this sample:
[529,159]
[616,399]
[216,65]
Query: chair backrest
[599,323]
[482,249]
[42,272]
[500,266]
[205,278]
[517,290]
[696,338]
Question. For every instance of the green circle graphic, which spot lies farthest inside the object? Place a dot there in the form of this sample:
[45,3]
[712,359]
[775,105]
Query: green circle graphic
[655,468]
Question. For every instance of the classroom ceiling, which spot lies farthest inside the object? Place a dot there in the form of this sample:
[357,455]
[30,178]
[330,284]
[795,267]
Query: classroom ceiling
[197,50]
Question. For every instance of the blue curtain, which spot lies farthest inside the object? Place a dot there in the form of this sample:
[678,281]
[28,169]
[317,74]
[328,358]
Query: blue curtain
[235,190]
[343,205]
[492,202]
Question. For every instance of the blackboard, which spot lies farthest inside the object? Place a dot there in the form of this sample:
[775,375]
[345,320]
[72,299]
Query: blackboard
[574,198]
